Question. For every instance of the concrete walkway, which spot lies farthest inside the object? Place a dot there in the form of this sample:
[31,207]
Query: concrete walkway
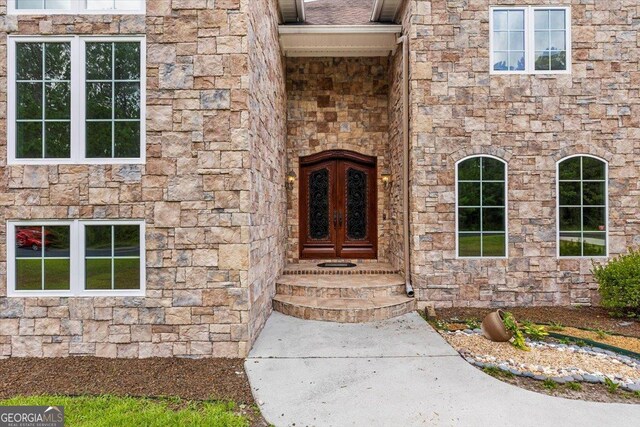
[396,373]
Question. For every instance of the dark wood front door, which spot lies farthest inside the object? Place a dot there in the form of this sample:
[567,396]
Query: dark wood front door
[338,200]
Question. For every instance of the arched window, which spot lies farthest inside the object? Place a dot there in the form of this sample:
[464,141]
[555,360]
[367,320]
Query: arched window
[481,207]
[582,207]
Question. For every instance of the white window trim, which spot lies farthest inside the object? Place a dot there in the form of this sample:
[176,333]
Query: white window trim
[606,202]
[77,253]
[78,101]
[529,39]
[506,210]
[77,8]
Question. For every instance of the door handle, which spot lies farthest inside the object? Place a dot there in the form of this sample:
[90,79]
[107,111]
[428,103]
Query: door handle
[339,219]
[335,218]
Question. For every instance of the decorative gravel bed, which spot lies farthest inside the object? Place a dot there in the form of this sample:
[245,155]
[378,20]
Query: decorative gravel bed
[561,363]
[627,343]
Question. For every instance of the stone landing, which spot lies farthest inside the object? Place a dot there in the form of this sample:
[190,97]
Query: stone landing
[364,293]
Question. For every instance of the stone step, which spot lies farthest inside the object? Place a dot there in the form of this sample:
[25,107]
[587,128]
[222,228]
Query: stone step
[308,267]
[338,286]
[344,310]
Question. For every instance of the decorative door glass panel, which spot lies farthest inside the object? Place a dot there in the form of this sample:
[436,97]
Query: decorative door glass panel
[356,209]
[319,205]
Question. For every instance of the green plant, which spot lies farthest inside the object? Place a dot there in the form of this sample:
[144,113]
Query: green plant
[574,386]
[619,282]
[556,326]
[636,393]
[472,323]
[549,384]
[611,385]
[511,325]
[441,325]
[497,372]
[602,334]
[535,332]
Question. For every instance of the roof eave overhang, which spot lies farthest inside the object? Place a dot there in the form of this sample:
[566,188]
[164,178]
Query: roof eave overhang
[385,10]
[292,11]
[338,40]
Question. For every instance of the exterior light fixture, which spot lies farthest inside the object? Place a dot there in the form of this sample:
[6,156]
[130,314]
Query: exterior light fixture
[386,179]
[291,179]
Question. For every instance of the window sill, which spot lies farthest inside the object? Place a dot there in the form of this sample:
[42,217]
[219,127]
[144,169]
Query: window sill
[68,294]
[530,73]
[54,162]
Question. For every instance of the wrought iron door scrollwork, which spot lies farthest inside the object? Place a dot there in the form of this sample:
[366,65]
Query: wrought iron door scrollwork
[319,227]
[356,215]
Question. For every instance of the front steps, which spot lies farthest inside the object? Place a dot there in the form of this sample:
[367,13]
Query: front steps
[342,296]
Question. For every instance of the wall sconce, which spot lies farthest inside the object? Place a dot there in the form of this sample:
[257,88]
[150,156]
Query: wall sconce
[291,179]
[386,179]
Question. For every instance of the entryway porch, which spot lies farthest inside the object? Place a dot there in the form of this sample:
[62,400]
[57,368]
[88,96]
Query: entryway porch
[369,291]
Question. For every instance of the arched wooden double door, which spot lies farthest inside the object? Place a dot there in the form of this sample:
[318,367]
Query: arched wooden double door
[338,205]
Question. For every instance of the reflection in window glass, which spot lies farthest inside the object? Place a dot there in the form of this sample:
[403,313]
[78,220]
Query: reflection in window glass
[112,257]
[43,4]
[481,207]
[508,40]
[582,212]
[550,39]
[114,4]
[42,258]
[43,100]
[113,99]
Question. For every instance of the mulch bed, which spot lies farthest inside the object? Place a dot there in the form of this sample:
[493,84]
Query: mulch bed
[579,317]
[188,379]
[589,392]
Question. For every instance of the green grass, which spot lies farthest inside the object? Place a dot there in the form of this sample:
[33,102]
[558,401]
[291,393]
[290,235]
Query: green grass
[569,248]
[107,411]
[57,273]
[549,384]
[469,245]
[574,386]
[29,274]
[496,372]
[127,273]
[612,387]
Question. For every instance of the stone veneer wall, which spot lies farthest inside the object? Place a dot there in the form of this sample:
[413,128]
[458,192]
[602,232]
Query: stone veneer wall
[531,122]
[267,157]
[194,193]
[396,238]
[337,103]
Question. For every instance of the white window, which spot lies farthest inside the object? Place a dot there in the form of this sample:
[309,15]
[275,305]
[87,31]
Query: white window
[582,207]
[76,6]
[76,100]
[481,207]
[530,40]
[75,258]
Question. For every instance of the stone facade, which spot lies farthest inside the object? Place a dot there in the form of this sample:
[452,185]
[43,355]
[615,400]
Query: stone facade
[228,117]
[530,121]
[268,138]
[337,103]
[198,191]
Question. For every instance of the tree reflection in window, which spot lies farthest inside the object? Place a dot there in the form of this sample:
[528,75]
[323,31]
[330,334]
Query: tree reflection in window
[112,99]
[481,207]
[582,211]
